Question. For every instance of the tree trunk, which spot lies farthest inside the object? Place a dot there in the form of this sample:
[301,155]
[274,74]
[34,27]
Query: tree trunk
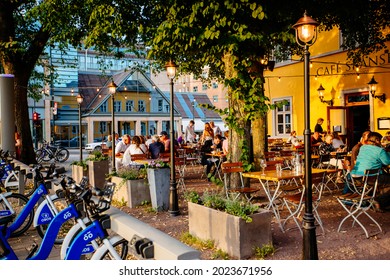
[259,130]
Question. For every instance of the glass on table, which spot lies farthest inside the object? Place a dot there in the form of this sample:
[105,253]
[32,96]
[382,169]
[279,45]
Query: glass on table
[263,165]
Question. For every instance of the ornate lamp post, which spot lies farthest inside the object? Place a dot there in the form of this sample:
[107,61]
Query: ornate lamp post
[112,89]
[306,35]
[80,99]
[173,199]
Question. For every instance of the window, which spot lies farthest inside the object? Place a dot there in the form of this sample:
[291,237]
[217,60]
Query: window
[103,127]
[126,128]
[141,106]
[215,98]
[195,89]
[103,107]
[283,121]
[205,87]
[129,105]
[215,85]
[160,105]
[117,106]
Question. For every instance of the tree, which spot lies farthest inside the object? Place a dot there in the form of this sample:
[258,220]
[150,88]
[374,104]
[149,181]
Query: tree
[27,27]
[231,38]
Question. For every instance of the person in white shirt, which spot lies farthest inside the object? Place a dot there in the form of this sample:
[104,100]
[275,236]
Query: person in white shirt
[135,148]
[189,134]
[122,145]
[216,129]
[293,139]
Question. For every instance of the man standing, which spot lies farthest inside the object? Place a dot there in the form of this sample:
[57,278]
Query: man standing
[189,134]
[216,129]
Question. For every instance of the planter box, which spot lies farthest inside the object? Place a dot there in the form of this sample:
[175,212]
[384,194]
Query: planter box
[230,233]
[97,171]
[158,180]
[134,192]
[78,173]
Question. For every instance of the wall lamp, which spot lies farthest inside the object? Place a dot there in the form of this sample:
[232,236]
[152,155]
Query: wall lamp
[372,84]
[321,96]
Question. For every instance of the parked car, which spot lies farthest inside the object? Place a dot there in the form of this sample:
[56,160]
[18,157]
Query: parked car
[95,146]
[74,142]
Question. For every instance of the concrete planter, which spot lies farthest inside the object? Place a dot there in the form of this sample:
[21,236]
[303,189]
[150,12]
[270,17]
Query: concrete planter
[230,233]
[78,172]
[158,179]
[134,192]
[97,172]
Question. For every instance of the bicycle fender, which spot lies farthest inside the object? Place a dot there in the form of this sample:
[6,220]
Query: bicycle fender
[69,237]
[81,241]
[103,248]
[44,215]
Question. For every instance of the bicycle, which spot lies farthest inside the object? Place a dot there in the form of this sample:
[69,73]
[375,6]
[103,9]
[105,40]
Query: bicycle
[93,238]
[46,211]
[76,200]
[48,152]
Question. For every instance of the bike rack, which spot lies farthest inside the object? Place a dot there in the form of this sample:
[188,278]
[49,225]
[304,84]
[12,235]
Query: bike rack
[147,240]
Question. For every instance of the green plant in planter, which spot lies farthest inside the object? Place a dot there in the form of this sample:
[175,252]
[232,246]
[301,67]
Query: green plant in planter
[129,173]
[82,163]
[218,201]
[97,156]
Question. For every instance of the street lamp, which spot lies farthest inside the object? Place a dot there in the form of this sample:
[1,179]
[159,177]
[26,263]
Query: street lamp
[80,99]
[112,89]
[306,35]
[173,200]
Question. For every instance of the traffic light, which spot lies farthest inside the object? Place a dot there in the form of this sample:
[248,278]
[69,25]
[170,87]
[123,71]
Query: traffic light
[35,117]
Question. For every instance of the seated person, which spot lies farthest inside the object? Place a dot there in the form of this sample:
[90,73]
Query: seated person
[156,147]
[109,141]
[135,148]
[373,156]
[293,140]
[337,142]
[316,139]
[122,145]
[209,146]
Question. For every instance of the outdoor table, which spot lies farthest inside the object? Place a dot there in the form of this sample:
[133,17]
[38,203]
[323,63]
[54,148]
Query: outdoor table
[278,179]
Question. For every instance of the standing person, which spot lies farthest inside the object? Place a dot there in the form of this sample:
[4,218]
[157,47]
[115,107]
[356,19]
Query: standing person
[18,145]
[189,134]
[208,133]
[216,129]
[318,127]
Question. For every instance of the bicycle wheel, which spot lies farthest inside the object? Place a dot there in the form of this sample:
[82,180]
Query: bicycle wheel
[60,204]
[62,155]
[18,202]
[39,155]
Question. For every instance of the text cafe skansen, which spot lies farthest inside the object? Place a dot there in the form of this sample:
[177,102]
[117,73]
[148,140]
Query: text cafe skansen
[368,61]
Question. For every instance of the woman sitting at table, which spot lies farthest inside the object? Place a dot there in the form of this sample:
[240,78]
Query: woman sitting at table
[207,148]
[135,148]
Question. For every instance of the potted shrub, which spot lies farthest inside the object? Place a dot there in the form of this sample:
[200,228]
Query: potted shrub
[98,168]
[236,226]
[158,174]
[79,170]
[131,185]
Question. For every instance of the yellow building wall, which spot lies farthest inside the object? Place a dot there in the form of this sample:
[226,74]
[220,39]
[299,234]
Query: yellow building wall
[329,67]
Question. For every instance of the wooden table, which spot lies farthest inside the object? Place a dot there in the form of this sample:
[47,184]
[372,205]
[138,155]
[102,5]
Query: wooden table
[278,179]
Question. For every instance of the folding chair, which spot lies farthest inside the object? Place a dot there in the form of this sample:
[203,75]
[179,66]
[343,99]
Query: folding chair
[229,168]
[295,202]
[180,165]
[359,202]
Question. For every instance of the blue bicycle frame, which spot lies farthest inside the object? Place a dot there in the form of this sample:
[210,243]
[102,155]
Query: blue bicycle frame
[47,213]
[83,240]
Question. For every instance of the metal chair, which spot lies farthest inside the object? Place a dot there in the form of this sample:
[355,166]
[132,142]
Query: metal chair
[360,201]
[295,202]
